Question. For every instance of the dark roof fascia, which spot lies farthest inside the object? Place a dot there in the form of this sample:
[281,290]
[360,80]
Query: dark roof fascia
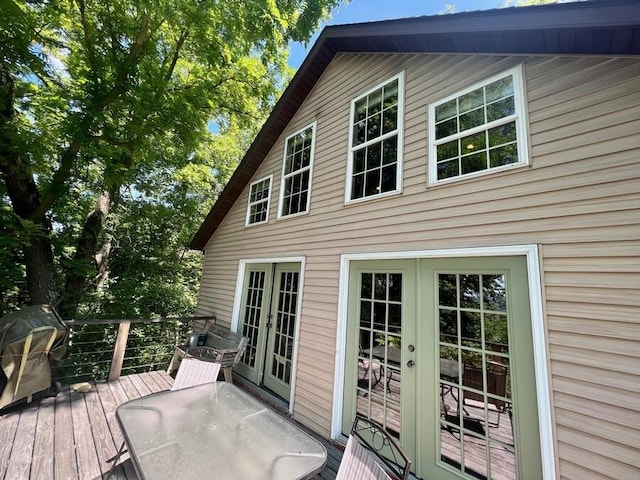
[545,29]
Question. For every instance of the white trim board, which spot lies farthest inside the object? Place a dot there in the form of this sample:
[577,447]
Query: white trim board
[542,374]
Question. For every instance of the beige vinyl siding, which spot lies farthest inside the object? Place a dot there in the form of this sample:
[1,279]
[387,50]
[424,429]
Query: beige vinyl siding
[579,199]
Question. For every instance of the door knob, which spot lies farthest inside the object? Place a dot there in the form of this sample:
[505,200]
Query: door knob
[411,348]
[411,364]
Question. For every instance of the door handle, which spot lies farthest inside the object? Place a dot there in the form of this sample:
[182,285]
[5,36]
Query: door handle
[411,364]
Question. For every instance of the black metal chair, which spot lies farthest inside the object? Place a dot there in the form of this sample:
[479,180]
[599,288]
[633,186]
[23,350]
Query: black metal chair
[372,454]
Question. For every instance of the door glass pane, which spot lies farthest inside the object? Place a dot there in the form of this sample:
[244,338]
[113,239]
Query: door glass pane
[252,314]
[282,354]
[379,334]
[476,431]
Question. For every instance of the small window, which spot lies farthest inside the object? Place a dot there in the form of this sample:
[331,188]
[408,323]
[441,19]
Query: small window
[258,208]
[375,151]
[295,187]
[478,130]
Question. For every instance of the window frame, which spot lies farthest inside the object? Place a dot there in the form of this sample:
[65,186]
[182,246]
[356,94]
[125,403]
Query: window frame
[520,117]
[313,126]
[267,201]
[398,132]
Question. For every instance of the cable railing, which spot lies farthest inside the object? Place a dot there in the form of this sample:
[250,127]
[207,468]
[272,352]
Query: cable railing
[107,349]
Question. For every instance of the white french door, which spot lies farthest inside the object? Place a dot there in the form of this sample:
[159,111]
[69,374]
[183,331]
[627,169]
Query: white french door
[268,318]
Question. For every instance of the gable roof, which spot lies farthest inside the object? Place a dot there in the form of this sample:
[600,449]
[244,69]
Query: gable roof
[598,27]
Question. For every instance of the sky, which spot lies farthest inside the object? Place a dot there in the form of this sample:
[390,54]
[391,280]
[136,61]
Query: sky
[371,10]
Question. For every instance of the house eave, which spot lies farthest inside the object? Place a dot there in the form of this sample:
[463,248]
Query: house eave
[609,27]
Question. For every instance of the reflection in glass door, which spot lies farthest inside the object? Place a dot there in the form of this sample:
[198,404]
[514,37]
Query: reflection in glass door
[476,428]
[269,312]
[379,350]
[476,330]
[440,352]
[254,317]
[380,383]
[282,325]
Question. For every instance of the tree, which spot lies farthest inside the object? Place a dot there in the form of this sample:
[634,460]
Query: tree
[105,108]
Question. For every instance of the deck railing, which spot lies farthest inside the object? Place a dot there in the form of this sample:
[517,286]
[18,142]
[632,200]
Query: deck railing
[106,349]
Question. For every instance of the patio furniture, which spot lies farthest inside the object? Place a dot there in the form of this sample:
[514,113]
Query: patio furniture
[218,344]
[369,370]
[372,454]
[215,430]
[393,357]
[496,385]
[194,372]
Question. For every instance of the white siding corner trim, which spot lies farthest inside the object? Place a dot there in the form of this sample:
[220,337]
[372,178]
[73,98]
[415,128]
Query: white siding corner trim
[547,445]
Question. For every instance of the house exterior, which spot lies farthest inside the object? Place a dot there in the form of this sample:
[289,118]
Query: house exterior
[438,227]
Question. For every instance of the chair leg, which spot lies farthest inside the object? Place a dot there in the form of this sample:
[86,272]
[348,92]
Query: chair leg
[121,451]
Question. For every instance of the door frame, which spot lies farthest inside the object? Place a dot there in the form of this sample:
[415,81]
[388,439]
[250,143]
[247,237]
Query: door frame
[538,327]
[235,315]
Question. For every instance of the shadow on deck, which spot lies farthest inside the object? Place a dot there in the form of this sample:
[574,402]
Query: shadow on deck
[72,435]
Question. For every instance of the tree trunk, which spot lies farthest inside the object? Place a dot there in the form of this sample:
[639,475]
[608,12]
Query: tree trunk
[85,262]
[41,276]
[25,199]
[102,261]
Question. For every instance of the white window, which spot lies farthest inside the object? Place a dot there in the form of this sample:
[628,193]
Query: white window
[295,188]
[478,130]
[259,195]
[375,142]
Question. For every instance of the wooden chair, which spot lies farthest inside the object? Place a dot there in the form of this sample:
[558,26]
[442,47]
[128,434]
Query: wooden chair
[372,454]
[195,372]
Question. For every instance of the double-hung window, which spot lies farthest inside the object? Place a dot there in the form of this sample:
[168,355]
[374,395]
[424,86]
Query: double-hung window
[259,195]
[479,130]
[295,188]
[375,142]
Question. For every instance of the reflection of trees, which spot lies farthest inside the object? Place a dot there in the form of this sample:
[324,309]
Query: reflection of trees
[476,305]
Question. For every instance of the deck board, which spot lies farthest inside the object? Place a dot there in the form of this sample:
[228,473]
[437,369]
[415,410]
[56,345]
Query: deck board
[43,453]
[65,465]
[72,436]
[86,454]
[7,435]
[22,453]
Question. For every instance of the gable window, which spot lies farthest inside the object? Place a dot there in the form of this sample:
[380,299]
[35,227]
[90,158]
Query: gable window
[296,172]
[478,130]
[375,165]
[258,208]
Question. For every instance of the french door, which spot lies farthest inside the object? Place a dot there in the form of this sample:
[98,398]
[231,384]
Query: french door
[268,318]
[440,352]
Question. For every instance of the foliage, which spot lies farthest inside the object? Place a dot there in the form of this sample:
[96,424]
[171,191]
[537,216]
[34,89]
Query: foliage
[107,154]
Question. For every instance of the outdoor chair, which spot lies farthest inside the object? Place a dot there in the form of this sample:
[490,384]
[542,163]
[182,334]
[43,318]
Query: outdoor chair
[496,385]
[195,372]
[372,454]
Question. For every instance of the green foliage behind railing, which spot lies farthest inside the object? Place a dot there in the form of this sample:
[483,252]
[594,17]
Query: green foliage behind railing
[92,343]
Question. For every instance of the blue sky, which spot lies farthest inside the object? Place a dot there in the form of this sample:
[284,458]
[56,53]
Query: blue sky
[371,10]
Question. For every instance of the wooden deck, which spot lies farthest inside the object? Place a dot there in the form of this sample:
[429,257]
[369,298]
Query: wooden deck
[71,436]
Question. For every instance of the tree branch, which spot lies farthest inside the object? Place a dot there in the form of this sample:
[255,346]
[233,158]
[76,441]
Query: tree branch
[128,145]
[91,54]
[176,55]
[68,157]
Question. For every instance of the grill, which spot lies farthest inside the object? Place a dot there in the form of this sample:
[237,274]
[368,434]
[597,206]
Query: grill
[30,340]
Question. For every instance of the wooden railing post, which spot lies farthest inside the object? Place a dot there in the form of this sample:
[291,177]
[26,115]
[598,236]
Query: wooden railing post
[118,350]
